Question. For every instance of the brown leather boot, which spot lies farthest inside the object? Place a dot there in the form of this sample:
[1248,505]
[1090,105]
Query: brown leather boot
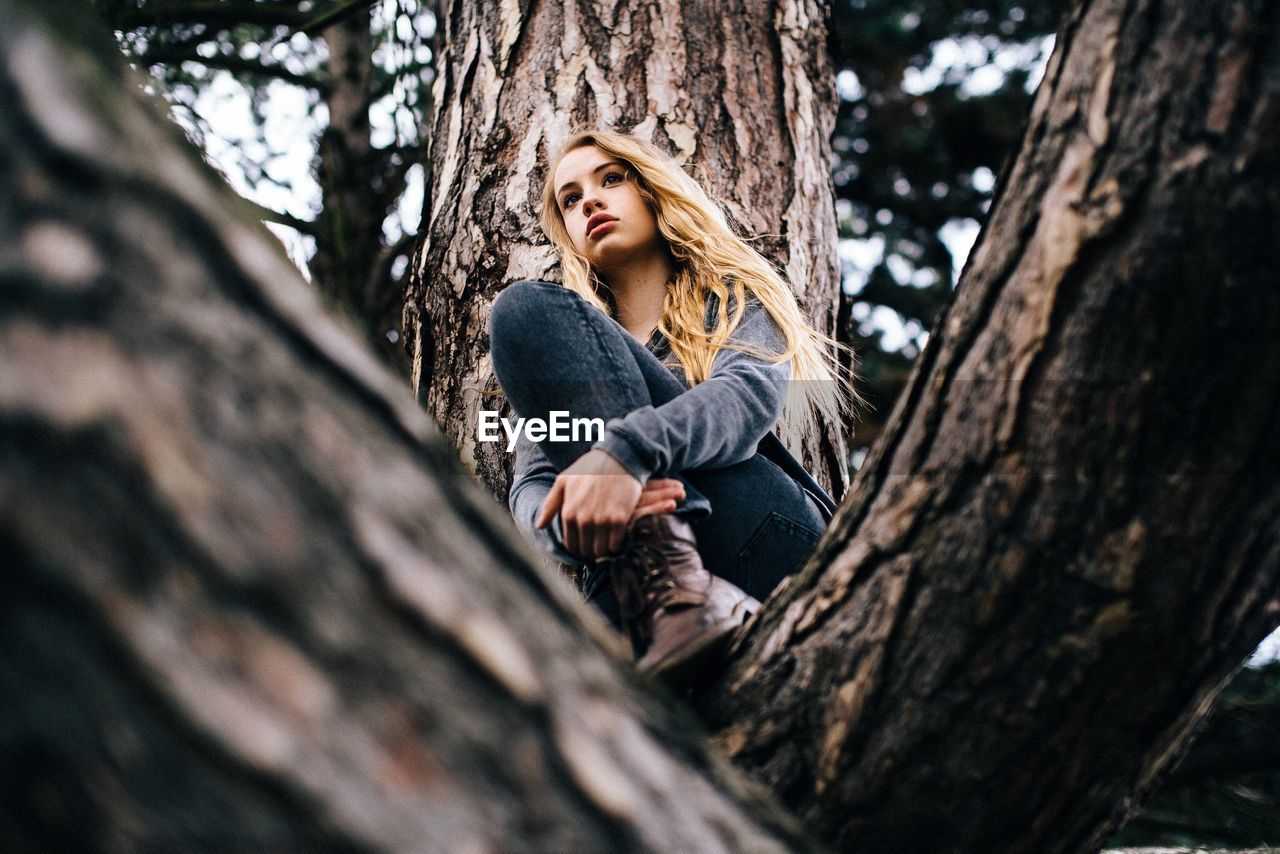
[676,613]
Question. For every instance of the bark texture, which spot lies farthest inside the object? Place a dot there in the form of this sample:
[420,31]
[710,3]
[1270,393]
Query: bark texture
[742,92]
[1069,535]
[250,599]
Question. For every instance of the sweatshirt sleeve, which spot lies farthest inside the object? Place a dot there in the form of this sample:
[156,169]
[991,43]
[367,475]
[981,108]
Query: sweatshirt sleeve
[534,477]
[716,423]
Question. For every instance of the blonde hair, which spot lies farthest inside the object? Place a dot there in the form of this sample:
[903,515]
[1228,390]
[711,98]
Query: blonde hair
[710,259]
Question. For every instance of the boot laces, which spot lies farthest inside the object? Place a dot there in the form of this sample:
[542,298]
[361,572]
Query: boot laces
[643,586]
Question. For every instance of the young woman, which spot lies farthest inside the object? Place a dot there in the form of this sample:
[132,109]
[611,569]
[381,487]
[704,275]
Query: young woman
[690,348]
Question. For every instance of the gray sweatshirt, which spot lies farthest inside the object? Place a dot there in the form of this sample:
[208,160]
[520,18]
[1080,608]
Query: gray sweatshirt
[714,424]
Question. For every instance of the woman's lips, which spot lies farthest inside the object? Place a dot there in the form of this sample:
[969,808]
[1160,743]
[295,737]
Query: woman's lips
[602,227]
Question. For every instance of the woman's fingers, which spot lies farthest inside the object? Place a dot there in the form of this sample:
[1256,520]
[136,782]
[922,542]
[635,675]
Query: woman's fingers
[616,536]
[658,497]
[593,541]
[648,508]
[551,504]
[604,535]
[662,488]
[597,506]
[573,538]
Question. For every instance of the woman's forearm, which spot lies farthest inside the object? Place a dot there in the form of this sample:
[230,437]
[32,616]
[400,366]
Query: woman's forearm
[716,423]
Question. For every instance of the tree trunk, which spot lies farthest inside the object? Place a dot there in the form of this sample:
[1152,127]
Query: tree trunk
[742,92]
[349,228]
[1068,537]
[250,599]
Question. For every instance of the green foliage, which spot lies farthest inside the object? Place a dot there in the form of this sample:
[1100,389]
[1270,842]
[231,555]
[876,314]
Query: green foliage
[919,143]
[275,50]
[1226,791]
[184,45]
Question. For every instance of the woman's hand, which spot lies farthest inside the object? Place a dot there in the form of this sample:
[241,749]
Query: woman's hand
[598,499]
[659,496]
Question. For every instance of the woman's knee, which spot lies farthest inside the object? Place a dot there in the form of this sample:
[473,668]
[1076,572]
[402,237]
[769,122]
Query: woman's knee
[525,306]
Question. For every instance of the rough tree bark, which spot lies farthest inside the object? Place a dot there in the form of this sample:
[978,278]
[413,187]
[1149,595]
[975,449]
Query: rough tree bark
[250,600]
[743,92]
[1069,536]
[251,596]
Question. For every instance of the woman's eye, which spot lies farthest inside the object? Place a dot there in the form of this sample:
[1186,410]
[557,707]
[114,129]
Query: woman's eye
[569,199]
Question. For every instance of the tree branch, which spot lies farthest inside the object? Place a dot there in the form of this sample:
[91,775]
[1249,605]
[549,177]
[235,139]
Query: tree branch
[377,290]
[214,14]
[333,16]
[267,214]
[234,64]
[399,161]
[1238,739]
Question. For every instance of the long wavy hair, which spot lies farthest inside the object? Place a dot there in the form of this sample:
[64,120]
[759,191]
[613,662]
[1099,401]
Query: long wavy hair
[710,259]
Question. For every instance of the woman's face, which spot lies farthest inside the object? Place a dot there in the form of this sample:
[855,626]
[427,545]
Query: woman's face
[607,219]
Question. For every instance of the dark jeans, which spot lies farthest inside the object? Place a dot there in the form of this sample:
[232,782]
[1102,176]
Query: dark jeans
[552,350]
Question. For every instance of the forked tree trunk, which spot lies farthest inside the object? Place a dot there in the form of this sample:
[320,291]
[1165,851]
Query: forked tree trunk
[1069,536]
[252,600]
[742,92]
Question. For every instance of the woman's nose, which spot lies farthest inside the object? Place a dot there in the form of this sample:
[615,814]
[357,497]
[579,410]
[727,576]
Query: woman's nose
[591,203]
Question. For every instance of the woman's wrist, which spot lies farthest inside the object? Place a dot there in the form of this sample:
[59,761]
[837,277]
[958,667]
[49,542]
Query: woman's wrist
[618,449]
[609,460]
